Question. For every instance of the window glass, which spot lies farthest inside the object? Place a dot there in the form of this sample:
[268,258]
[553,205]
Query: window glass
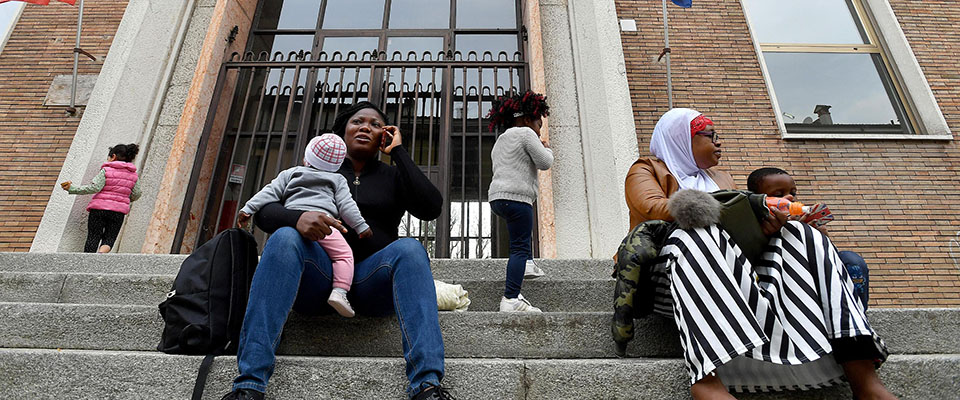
[487,43]
[344,45]
[404,45]
[289,14]
[805,21]
[832,89]
[284,44]
[353,14]
[487,14]
[420,14]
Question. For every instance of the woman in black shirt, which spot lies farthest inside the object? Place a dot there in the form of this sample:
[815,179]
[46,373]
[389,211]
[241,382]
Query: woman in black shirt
[391,275]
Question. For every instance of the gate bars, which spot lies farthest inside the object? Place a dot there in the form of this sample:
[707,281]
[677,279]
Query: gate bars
[280,101]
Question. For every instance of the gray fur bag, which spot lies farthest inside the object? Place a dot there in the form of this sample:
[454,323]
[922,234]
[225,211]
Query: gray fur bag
[738,212]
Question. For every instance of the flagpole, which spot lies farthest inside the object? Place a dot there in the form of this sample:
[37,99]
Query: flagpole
[76,61]
[666,50]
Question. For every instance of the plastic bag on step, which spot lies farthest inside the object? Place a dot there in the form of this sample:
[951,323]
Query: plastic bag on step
[451,297]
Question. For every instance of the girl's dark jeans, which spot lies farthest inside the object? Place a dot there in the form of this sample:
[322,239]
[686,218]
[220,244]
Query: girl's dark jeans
[519,217]
[103,226]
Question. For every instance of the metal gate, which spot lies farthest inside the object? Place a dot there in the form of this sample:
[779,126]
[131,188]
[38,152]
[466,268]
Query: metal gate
[279,101]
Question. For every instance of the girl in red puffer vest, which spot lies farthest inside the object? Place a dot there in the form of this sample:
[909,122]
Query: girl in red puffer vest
[113,189]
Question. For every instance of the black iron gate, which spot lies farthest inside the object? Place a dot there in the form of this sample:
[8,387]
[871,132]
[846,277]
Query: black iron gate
[437,99]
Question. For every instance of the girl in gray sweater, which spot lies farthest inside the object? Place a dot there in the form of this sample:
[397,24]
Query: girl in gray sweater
[517,155]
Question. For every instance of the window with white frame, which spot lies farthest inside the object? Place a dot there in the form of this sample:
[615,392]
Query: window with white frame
[9,14]
[827,72]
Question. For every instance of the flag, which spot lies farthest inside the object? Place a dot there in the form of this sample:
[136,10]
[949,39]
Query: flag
[681,3]
[41,2]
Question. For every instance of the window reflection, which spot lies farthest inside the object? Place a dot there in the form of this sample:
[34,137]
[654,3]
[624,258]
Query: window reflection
[487,14]
[353,14]
[419,45]
[283,44]
[420,14]
[399,48]
[821,89]
[344,45]
[289,14]
[471,229]
[805,21]
[494,44]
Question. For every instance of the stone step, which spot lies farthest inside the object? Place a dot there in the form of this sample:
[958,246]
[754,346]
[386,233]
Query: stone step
[55,374]
[166,264]
[126,289]
[469,334]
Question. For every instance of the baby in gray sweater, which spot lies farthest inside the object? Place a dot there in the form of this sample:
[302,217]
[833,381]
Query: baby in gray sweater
[317,186]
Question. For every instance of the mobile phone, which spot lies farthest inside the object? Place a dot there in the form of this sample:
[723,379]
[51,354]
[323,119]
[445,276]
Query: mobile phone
[386,138]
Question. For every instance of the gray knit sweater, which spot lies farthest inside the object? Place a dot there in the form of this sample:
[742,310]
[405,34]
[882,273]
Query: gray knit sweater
[517,156]
[310,189]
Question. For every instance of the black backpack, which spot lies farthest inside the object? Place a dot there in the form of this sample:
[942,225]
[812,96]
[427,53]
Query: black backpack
[203,312]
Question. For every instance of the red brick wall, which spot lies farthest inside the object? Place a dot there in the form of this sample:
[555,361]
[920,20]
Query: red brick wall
[897,202]
[34,139]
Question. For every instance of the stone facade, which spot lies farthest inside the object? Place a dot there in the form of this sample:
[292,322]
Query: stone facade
[895,200]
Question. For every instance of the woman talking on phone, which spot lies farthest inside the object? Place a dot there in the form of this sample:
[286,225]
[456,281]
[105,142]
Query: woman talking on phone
[391,275]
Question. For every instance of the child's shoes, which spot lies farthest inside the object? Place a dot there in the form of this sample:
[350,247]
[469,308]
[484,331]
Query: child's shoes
[338,300]
[518,304]
[532,270]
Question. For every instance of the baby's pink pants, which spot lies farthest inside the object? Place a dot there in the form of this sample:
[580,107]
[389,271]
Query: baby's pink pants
[342,258]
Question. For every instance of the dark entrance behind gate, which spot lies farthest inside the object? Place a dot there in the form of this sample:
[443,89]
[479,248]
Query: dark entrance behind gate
[434,66]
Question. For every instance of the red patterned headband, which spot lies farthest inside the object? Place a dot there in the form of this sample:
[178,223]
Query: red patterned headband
[699,124]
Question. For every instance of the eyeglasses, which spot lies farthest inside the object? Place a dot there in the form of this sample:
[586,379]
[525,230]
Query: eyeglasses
[714,136]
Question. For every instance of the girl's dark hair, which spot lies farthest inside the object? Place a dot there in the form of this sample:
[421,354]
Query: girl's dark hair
[124,152]
[506,109]
[753,181]
[340,123]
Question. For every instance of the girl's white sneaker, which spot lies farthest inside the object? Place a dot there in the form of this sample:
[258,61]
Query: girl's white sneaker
[532,271]
[518,304]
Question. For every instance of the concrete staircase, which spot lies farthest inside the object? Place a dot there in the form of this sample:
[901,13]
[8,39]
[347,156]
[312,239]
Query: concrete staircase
[78,326]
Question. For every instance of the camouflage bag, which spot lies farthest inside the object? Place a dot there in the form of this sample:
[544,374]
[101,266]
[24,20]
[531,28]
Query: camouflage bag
[633,295]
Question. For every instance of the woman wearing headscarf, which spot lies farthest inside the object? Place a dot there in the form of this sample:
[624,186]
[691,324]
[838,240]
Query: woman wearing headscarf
[789,322]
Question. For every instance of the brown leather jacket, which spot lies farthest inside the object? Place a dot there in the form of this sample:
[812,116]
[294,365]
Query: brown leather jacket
[649,184]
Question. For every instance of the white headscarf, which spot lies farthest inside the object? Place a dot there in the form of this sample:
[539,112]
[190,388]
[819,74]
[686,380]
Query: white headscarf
[671,142]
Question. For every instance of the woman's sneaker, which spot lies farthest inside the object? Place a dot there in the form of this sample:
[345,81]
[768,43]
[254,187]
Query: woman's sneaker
[518,304]
[338,300]
[532,271]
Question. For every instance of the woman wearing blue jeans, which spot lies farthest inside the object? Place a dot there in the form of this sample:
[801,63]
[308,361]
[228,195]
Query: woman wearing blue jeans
[391,275]
[517,155]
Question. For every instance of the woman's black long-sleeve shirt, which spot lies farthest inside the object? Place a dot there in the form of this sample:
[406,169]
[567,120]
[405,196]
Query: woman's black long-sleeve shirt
[382,192]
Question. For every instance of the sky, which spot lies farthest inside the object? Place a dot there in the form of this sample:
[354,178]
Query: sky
[7,12]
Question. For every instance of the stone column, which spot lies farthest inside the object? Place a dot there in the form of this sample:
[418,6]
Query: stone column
[592,129]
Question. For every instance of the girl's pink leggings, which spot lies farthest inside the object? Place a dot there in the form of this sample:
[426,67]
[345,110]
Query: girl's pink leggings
[342,258]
